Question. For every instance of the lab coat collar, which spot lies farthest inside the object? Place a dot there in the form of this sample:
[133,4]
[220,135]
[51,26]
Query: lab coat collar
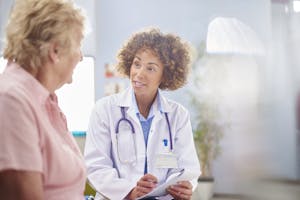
[165,106]
[154,110]
[125,100]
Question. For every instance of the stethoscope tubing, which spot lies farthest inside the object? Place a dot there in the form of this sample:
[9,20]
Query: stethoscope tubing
[127,120]
[123,118]
[170,134]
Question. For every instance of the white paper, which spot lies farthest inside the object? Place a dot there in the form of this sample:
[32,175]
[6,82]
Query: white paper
[171,180]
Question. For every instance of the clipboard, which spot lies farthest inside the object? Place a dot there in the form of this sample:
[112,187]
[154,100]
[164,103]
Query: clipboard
[171,180]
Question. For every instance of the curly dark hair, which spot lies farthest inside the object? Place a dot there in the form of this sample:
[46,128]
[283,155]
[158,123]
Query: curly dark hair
[170,49]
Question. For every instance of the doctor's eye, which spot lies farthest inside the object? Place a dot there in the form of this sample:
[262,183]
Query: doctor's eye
[136,64]
[151,68]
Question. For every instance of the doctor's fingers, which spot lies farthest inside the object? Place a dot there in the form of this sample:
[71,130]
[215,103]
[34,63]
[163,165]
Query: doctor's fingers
[149,177]
[147,181]
[182,197]
[145,186]
[135,193]
[181,191]
[142,190]
[185,184]
[178,195]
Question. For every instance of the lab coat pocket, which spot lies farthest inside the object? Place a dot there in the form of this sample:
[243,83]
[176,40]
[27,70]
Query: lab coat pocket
[126,148]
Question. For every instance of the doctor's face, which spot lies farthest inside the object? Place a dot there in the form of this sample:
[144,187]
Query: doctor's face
[146,73]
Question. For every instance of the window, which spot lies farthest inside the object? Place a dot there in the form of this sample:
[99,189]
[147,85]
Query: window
[296,6]
[77,99]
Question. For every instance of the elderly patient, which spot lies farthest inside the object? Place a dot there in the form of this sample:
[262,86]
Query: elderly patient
[39,159]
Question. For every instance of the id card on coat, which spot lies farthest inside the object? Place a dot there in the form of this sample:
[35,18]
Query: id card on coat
[166,160]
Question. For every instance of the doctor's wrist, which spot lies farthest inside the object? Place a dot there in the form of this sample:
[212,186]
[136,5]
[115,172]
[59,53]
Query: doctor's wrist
[131,195]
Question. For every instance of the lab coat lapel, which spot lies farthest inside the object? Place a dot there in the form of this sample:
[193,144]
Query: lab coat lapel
[165,108]
[132,114]
[158,116]
[125,100]
[164,104]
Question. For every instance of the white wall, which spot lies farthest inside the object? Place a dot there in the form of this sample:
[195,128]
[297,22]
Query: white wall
[89,44]
[5,6]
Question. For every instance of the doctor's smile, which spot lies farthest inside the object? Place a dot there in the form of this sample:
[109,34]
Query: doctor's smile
[138,84]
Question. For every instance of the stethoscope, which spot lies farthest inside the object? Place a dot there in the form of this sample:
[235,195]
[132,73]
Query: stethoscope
[123,118]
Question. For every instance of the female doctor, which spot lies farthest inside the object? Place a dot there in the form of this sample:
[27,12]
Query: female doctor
[138,137]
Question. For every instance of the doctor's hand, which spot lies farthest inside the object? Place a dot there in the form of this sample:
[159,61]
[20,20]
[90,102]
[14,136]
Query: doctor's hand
[145,185]
[183,190]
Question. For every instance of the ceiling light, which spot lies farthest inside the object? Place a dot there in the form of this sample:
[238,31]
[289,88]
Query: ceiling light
[296,6]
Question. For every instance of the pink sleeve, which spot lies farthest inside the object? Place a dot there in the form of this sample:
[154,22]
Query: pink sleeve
[19,135]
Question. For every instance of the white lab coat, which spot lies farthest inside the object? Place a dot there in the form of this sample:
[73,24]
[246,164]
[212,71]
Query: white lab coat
[106,173]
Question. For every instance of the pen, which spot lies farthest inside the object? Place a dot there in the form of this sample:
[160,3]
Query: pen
[165,141]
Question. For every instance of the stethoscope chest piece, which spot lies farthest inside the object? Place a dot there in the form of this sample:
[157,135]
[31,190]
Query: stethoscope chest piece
[126,139]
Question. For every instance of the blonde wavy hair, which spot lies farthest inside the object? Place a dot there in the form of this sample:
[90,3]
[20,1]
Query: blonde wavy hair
[34,24]
[171,50]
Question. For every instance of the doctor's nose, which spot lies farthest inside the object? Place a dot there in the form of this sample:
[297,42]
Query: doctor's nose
[140,72]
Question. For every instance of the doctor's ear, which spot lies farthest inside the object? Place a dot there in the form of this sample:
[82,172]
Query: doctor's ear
[162,81]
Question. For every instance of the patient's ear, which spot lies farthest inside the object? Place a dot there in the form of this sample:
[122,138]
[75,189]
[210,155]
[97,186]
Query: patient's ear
[53,53]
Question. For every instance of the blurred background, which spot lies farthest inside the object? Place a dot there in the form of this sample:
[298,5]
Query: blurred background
[246,54]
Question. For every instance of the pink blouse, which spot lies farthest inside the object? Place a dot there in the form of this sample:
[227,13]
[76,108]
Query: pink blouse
[34,136]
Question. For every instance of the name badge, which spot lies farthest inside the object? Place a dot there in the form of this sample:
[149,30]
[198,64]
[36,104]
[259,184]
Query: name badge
[166,160]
